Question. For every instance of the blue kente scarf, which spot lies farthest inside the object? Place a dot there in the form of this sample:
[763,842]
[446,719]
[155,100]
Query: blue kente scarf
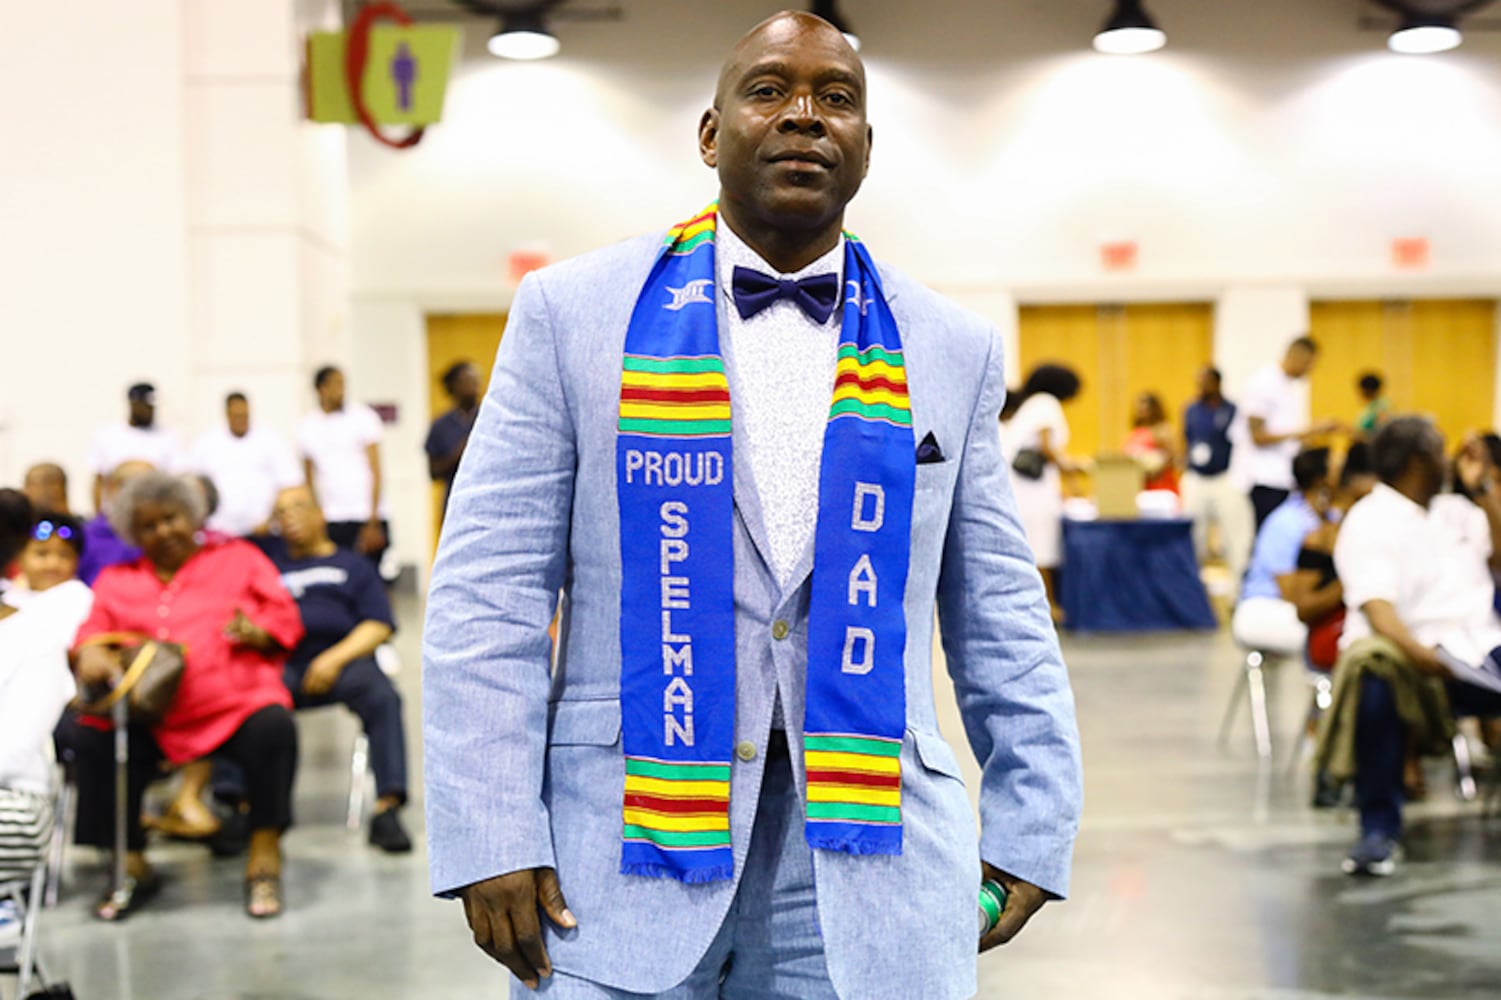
[677,613]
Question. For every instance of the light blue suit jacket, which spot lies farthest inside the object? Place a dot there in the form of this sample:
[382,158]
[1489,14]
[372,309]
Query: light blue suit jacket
[524,766]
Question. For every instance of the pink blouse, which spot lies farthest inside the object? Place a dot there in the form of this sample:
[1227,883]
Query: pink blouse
[223,683]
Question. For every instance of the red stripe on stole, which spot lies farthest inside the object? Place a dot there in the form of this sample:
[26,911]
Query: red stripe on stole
[680,806]
[871,382]
[854,778]
[636,394]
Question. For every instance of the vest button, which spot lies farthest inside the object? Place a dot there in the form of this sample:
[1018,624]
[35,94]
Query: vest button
[779,629]
[745,750]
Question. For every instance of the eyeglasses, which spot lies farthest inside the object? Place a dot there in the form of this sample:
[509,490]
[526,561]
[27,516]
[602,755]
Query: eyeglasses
[47,529]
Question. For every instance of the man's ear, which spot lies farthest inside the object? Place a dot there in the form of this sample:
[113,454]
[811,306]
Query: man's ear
[708,137]
[870,140]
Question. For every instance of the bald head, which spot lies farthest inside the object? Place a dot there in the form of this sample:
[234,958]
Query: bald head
[300,519]
[46,486]
[788,137]
[783,25]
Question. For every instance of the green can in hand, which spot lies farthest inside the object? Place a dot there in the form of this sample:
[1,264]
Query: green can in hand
[992,903]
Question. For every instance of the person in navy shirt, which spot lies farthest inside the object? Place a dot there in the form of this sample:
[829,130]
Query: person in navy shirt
[450,432]
[346,615]
[1210,493]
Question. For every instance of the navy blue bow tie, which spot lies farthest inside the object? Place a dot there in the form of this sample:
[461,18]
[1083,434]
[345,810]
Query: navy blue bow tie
[754,291]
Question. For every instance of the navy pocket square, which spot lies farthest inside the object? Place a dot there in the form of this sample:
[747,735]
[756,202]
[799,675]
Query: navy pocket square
[928,452]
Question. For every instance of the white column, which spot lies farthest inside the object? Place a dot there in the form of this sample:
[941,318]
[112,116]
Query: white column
[266,204]
[1252,327]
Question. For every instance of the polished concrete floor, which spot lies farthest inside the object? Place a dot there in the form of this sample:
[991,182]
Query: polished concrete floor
[1197,875]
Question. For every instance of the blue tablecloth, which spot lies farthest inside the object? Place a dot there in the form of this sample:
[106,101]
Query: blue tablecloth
[1132,576]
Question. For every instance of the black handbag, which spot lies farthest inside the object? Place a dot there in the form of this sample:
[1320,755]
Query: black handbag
[1029,463]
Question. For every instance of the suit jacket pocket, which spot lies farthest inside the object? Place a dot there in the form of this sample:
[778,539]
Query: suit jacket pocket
[595,722]
[936,475]
[936,754]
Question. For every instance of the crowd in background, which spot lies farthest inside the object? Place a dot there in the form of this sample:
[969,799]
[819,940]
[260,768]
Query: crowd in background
[246,568]
[1375,561]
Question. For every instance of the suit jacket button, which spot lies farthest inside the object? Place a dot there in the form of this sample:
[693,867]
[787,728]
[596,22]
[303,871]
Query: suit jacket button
[745,750]
[779,629]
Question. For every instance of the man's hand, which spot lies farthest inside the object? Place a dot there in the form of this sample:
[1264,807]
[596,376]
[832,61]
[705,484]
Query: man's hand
[371,538]
[321,675]
[1425,658]
[502,913]
[1022,900]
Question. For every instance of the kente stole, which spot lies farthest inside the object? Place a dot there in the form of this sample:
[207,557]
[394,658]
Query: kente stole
[677,614]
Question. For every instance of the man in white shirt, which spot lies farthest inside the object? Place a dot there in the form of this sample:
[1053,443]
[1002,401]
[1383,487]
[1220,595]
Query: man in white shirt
[139,440]
[340,445]
[1275,404]
[1417,572]
[248,466]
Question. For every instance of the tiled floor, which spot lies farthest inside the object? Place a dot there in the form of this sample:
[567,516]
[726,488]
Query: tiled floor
[1196,876]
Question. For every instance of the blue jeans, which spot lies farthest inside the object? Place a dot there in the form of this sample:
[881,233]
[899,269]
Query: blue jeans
[1381,749]
[769,945]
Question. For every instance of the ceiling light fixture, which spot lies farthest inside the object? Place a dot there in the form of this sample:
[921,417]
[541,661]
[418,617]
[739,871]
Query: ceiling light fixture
[523,35]
[1129,31]
[1424,34]
[829,11]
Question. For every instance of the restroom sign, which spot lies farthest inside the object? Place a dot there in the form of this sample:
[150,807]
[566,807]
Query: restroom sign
[400,72]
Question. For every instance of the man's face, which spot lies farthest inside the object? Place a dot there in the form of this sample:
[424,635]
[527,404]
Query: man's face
[46,490]
[331,392]
[298,516]
[1299,361]
[466,386]
[237,413]
[789,135]
[142,413]
[1209,385]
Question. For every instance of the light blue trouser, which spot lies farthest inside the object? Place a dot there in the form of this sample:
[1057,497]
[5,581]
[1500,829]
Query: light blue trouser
[769,947]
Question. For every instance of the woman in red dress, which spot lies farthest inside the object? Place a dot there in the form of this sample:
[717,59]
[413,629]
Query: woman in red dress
[223,601]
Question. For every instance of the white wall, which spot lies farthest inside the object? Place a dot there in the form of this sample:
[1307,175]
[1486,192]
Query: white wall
[167,216]
[92,223]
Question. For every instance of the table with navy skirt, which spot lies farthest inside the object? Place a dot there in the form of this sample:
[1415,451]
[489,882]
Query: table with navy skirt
[1132,576]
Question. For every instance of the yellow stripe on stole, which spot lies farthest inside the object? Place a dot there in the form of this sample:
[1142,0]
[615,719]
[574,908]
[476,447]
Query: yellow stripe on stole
[679,411]
[854,793]
[666,821]
[872,369]
[678,789]
[674,380]
[872,396]
[827,760]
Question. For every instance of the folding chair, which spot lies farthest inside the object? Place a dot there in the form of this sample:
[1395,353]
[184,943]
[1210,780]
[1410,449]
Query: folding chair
[26,894]
[359,781]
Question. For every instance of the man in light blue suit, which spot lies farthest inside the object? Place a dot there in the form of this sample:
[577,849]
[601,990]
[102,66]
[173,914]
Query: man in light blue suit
[528,747]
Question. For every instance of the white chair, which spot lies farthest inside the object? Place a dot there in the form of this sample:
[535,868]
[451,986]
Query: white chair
[359,781]
[1269,632]
[26,895]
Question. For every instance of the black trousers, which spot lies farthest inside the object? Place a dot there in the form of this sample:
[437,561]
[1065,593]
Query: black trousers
[345,534]
[265,748]
[1265,499]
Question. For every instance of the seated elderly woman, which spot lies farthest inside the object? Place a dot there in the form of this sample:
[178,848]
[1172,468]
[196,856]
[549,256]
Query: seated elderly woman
[224,603]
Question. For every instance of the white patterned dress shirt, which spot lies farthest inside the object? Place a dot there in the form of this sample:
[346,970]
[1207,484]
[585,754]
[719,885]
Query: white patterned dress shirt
[782,387]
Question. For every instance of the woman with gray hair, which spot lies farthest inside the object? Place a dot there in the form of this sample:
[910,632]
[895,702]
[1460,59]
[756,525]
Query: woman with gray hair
[223,602]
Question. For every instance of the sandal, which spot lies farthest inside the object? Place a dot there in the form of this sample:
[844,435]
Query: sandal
[263,896]
[175,826]
[133,893]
